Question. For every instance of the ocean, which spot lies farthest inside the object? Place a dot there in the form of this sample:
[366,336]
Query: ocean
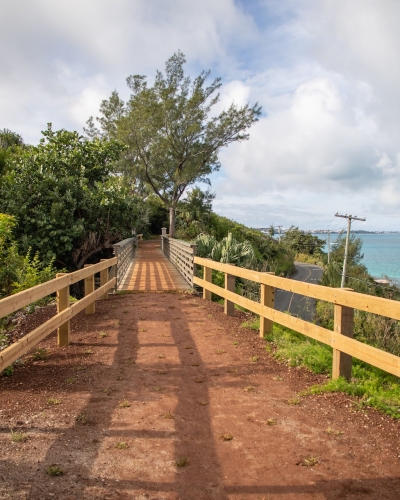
[381,254]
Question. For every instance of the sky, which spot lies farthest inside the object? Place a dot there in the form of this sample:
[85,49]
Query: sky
[326,73]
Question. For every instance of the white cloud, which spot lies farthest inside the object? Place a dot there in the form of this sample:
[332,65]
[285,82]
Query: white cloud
[325,72]
[58,56]
[331,123]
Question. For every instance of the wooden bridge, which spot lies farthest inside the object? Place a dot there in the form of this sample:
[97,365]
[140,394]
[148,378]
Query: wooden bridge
[152,271]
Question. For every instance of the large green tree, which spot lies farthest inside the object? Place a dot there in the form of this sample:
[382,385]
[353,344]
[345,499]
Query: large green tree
[172,132]
[10,142]
[67,200]
[300,241]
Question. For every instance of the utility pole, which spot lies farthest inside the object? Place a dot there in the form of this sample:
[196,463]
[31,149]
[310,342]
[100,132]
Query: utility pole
[346,252]
[279,227]
[329,245]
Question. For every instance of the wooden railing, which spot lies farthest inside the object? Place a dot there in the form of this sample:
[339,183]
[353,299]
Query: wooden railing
[181,254]
[65,311]
[344,300]
[124,251]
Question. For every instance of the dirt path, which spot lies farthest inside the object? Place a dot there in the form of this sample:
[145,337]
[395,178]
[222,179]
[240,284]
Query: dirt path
[168,375]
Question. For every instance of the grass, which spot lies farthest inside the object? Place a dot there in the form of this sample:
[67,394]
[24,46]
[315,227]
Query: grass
[226,437]
[19,437]
[121,445]
[333,432]
[271,421]
[87,352]
[53,401]
[373,387]
[40,354]
[254,359]
[168,415]
[221,351]
[70,380]
[103,334]
[54,470]
[309,461]
[124,404]
[82,418]
[294,401]
[9,371]
[182,462]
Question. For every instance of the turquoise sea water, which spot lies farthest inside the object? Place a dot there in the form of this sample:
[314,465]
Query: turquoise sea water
[381,253]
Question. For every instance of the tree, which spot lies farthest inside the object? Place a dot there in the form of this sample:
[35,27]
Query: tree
[357,273]
[193,213]
[302,242]
[271,230]
[9,139]
[355,248]
[68,203]
[9,144]
[172,137]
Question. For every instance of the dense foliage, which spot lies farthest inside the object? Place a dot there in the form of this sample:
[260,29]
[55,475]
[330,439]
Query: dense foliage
[18,272]
[66,200]
[375,330]
[302,242]
[228,250]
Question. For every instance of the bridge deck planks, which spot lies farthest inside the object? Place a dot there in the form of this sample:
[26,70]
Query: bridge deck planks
[152,271]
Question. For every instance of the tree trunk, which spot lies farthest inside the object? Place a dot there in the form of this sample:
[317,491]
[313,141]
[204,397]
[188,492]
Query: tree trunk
[172,222]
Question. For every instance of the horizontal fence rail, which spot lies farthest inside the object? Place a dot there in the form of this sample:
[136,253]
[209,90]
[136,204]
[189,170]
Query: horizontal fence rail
[65,311]
[181,254]
[345,301]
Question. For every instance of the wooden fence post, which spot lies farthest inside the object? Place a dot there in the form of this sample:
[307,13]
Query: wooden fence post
[229,307]
[207,277]
[62,304]
[104,279]
[89,288]
[343,324]
[266,299]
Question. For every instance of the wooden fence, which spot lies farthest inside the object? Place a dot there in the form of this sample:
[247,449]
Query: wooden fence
[344,300]
[124,251]
[181,254]
[65,311]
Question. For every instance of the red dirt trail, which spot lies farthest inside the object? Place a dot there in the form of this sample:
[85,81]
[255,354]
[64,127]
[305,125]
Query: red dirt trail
[169,375]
